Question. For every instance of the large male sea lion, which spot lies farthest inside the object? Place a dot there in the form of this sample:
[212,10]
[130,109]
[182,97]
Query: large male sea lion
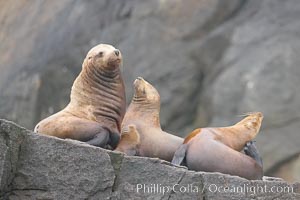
[141,131]
[97,107]
[218,149]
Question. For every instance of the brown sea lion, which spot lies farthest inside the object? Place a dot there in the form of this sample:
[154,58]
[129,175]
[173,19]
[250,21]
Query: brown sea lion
[141,131]
[97,107]
[218,149]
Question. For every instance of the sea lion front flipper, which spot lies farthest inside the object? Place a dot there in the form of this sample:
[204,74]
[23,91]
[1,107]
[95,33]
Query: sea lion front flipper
[130,140]
[100,139]
[179,155]
[251,150]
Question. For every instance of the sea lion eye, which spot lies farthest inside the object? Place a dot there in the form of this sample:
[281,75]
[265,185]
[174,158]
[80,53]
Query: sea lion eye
[100,54]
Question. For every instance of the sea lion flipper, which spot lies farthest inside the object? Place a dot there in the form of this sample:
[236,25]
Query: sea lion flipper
[100,139]
[131,132]
[251,150]
[130,139]
[179,155]
[113,141]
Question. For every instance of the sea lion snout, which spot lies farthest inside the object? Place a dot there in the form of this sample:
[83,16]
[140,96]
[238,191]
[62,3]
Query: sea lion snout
[145,91]
[105,56]
[253,122]
[137,80]
[257,115]
[114,59]
[255,118]
[138,84]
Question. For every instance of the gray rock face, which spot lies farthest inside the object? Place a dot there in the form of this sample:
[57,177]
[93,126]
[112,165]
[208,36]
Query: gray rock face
[259,71]
[41,56]
[289,169]
[38,167]
[211,60]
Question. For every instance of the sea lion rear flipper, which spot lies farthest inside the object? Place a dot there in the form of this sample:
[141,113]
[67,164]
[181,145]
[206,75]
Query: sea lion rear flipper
[179,155]
[100,139]
[113,141]
[251,150]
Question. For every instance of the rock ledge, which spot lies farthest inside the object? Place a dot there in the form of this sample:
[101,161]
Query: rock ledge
[39,167]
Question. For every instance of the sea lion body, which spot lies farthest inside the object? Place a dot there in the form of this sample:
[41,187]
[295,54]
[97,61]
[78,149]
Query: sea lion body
[141,131]
[97,104]
[218,149]
[155,143]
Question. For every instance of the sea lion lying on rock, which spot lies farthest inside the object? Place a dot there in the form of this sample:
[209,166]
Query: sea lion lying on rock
[218,149]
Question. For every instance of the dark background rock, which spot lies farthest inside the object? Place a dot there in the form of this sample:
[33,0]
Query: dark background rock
[211,61]
[51,168]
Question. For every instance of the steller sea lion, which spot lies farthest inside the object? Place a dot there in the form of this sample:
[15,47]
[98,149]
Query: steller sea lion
[97,106]
[141,133]
[218,149]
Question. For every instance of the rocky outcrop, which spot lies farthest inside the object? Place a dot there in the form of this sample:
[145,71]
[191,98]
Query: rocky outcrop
[211,60]
[33,166]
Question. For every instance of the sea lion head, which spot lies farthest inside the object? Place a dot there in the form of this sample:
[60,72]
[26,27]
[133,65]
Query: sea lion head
[144,92]
[253,121]
[105,57]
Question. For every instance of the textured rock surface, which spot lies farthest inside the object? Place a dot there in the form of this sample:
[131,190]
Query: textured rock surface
[43,54]
[39,167]
[211,60]
[259,71]
[289,169]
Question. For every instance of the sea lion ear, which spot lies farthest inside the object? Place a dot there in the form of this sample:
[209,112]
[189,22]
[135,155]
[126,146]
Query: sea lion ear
[89,58]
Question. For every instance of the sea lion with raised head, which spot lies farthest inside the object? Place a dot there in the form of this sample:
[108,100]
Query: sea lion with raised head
[219,149]
[97,106]
[141,133]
